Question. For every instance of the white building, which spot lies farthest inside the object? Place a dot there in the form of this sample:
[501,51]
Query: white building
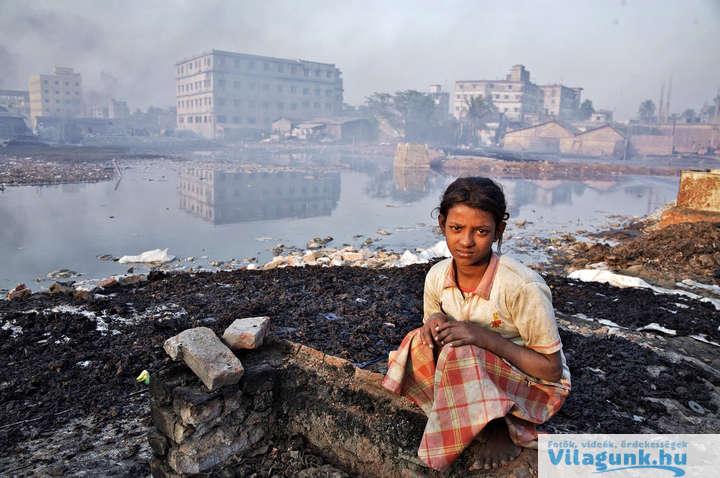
[57,95]
[221,93]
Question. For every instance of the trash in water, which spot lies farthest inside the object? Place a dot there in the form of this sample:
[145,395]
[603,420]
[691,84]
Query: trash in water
[155,256]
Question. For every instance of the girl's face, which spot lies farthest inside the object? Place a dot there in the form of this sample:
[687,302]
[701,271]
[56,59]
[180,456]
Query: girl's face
[470,233]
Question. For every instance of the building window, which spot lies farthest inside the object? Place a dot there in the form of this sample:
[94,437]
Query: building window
[236,119]
[251,65]
[266,87]
[506,96]
[281,68]
[251,103]
[293,89]
[198,119]
[293,69]
[237,62]
[317,91]
[204,119]
[293,106]
[221,84]
[266,66]
[236,84]
[221,119]
[305,104]
[462,87]
[281,105]
[517,109]
[306,91]
[329,74]
[252,85]
[251,119]
[236,103]
[190,119]
[45,82]
[316,105]
[328,106]
[509,87]
[279,88]
[306,72]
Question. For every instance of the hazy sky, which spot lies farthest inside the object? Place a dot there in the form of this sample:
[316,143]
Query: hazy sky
[619,51]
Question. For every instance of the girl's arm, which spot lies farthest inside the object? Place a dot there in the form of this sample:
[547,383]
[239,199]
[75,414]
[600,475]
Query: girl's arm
[544,366]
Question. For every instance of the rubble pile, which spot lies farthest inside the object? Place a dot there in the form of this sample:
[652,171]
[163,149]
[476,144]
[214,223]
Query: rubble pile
[664,256]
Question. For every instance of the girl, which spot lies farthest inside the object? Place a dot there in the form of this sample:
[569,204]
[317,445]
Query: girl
[489,347]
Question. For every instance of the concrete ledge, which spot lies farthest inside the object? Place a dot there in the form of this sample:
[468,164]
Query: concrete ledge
[291,389]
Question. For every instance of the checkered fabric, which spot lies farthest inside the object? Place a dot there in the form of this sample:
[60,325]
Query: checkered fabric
[463,390]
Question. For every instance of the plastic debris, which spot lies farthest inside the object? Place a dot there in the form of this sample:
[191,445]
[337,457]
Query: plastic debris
[658,328]
[153,256]
[696,407]
[144,377]
[331,316]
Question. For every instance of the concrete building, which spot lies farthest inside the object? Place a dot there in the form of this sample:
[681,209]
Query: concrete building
[442,102]
[542,138]
[561,102]
[221,93]
[16,102]
[57,95]
[601,116]
[516,96]
[603,141]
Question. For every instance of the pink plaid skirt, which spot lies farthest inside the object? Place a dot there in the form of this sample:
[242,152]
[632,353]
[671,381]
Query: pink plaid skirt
[466,389]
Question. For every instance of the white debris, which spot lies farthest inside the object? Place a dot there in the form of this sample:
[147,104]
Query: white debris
[156,256]
[619,280]
[84,363]
[440,249]
[703,338]
[15,329]
[689,283]
[658,328]
[610,323]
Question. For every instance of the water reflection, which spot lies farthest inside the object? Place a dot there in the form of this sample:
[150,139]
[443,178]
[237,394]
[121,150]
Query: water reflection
[226,197]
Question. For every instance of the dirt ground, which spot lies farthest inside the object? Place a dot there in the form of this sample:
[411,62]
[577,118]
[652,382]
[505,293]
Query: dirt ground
[70,404]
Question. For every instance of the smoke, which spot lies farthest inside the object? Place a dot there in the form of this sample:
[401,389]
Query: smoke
[618,52]
[9,64]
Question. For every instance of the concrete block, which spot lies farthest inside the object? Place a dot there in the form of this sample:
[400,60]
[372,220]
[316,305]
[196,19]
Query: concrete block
[201,350]
[191,414]
[247,333]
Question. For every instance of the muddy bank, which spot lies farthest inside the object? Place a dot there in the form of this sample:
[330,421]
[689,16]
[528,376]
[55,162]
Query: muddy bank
[662,256]
[461,165]
[45,165]
[72,362]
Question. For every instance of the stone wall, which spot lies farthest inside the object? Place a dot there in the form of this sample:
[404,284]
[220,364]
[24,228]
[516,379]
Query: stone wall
[287,390]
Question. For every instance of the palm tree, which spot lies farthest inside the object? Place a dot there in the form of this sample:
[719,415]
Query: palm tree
[478,111]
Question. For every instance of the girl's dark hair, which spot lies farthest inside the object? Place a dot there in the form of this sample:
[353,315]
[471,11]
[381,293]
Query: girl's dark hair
[476,192]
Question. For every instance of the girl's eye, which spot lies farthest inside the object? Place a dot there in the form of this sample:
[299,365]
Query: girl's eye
[482,232]
[455,228]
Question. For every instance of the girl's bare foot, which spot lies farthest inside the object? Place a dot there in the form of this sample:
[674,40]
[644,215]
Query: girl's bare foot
[498,450]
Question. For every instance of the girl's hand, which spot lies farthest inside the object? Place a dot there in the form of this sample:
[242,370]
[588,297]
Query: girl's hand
[456,334]
[428,328]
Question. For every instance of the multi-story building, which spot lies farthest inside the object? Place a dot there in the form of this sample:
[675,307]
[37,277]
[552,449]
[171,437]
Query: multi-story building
[516,97]
[56,95]
[519,99]
[221,92]
[561,102]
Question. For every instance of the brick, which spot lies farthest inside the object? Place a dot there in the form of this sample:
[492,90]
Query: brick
[247,333]
[201,350]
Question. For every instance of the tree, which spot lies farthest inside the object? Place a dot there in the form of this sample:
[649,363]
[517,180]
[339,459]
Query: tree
[586,109]
[690,116]
[409,112]
[646,111]
[479,109]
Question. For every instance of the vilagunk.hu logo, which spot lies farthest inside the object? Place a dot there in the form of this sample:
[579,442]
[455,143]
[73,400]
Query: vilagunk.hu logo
[627,455]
